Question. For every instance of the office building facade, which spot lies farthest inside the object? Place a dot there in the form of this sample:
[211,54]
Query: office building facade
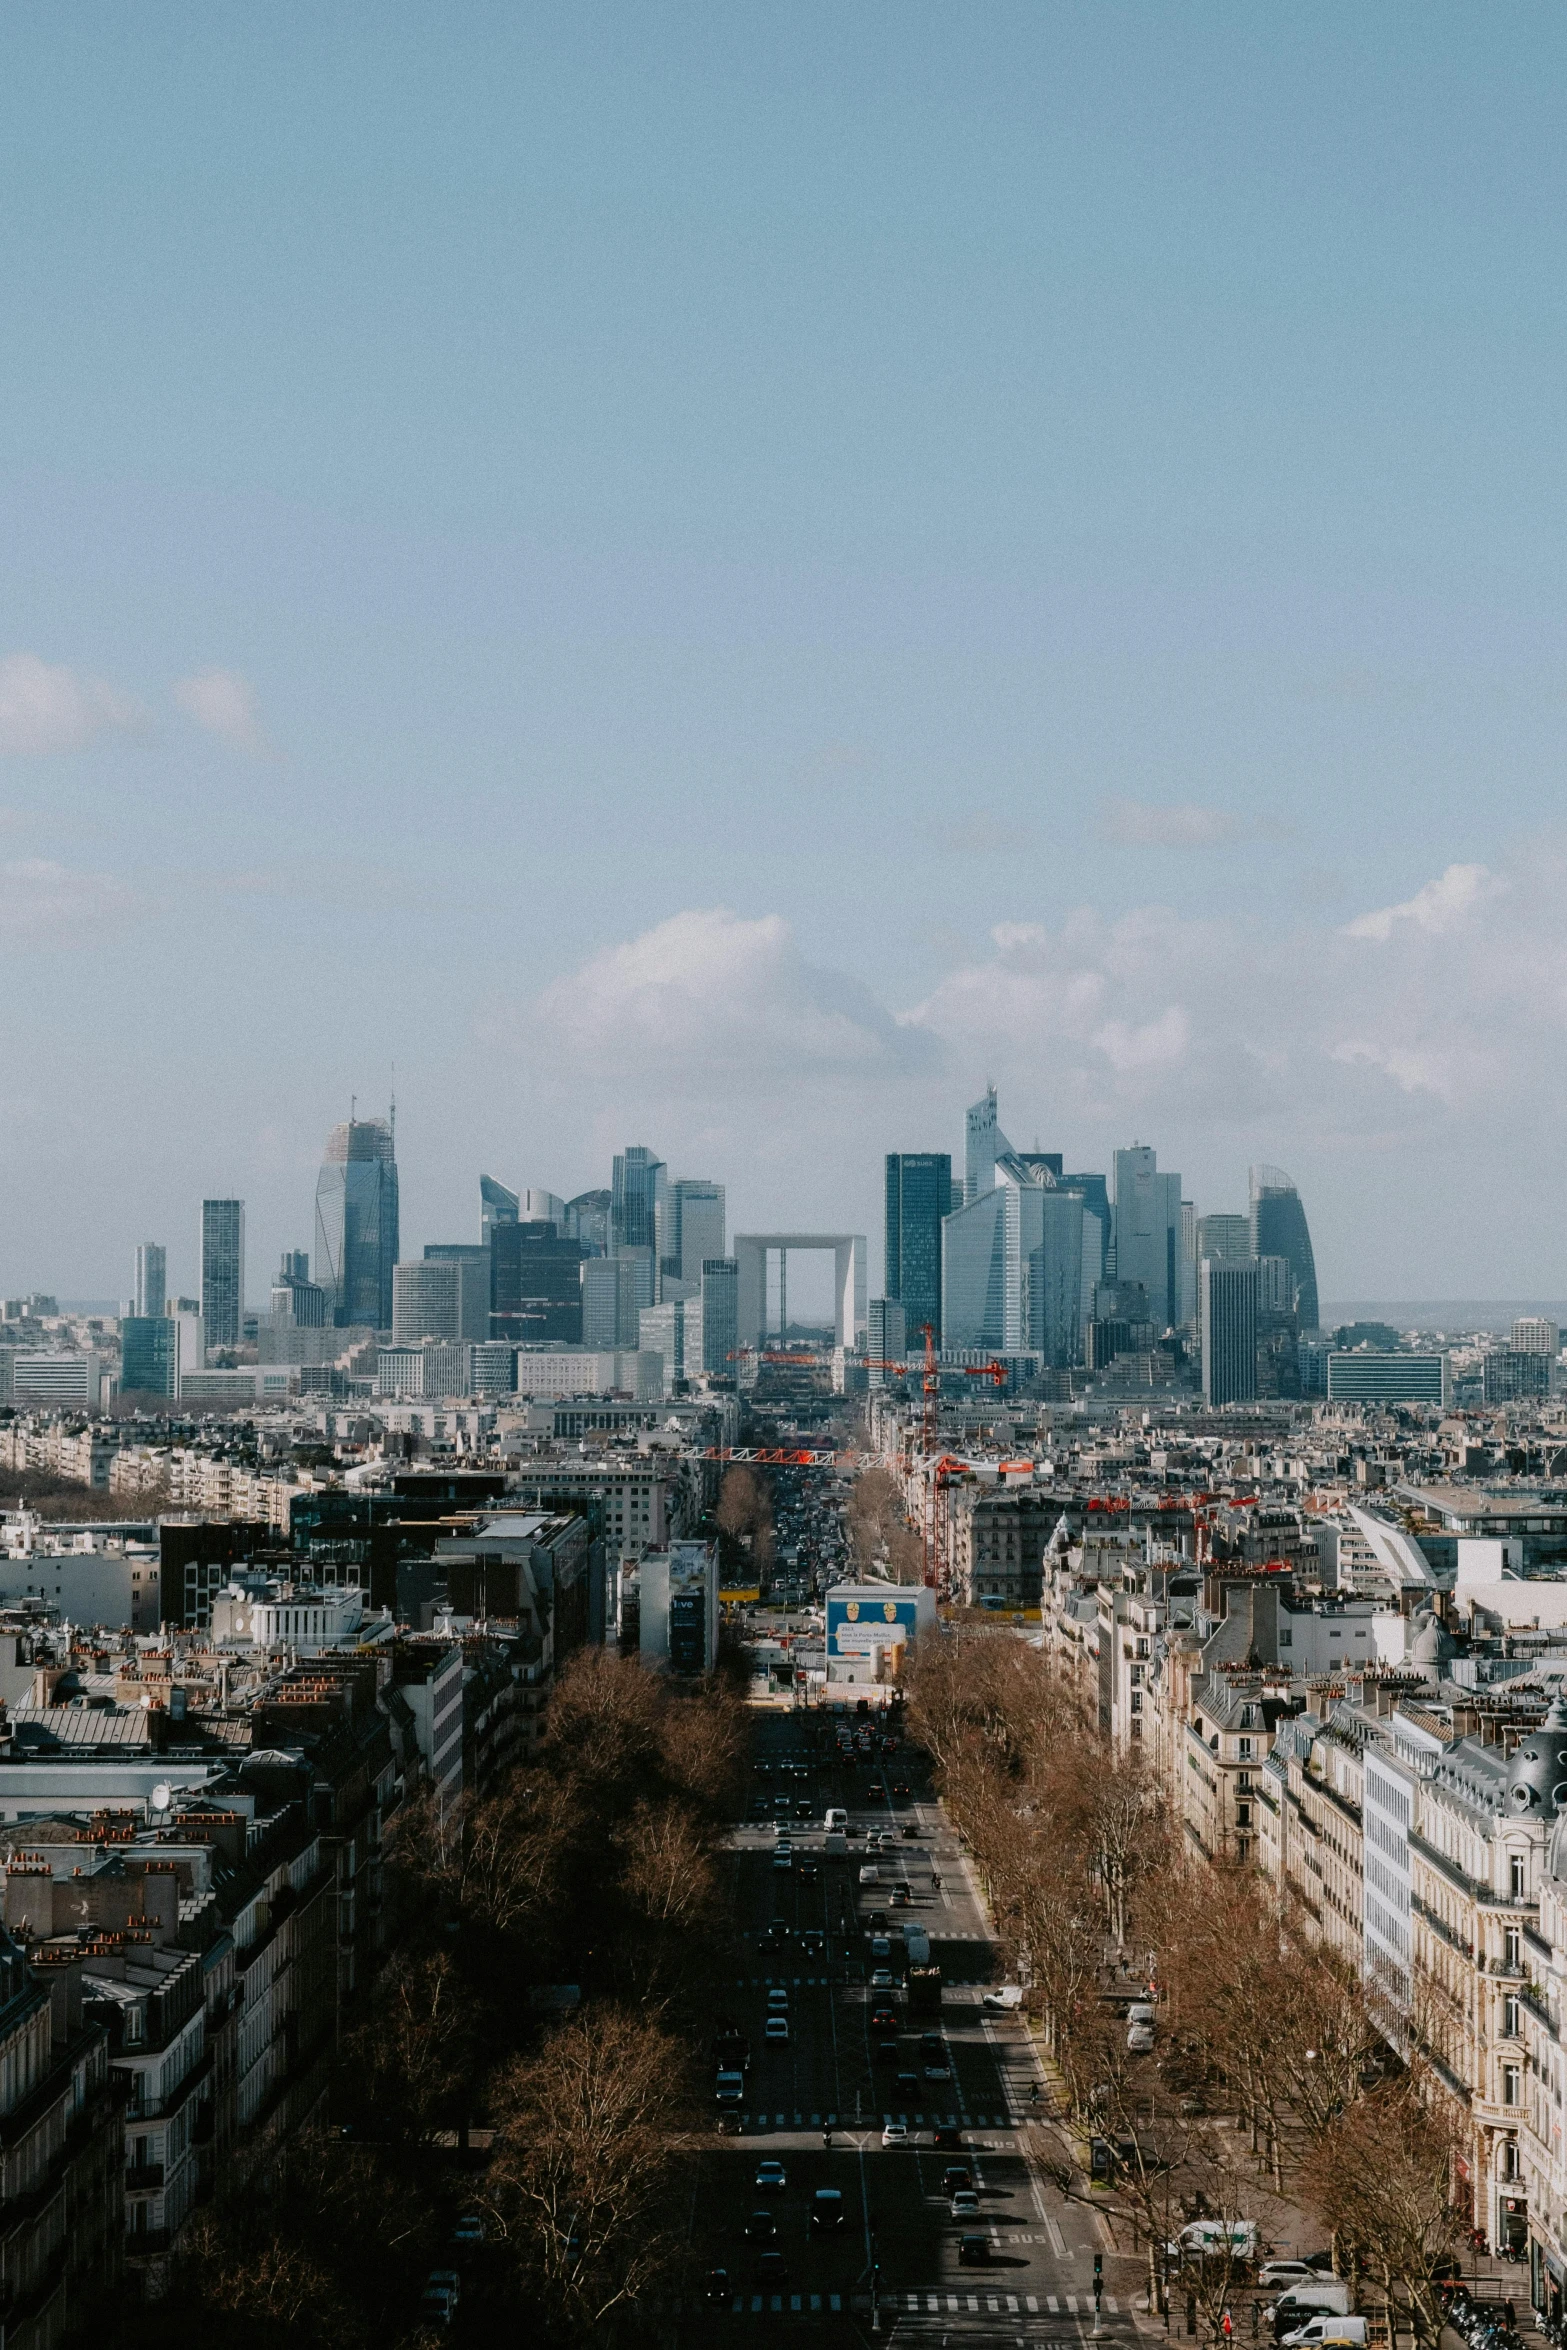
[441,1297]
[1148,1230]
[151,1279]
[721,1317]
[222,1272]
[698,1230]
[609,1303]
[1012,1266]
[1366,1374]
[357,1230]
[1536,1334]
[886,1340]
[919,1200]
[1279,1229]
[1227,1314]
[535,1285]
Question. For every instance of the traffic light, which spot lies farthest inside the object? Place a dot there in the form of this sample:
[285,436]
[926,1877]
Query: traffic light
[1099,2277]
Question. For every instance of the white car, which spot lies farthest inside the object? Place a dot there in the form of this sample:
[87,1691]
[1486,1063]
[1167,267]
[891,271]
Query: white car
[776,2028]
[777,1997]
[870,1874]
[1280,2273]
[895,2134]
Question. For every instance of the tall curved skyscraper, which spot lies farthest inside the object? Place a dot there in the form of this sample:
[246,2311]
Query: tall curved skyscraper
[356,1223]
[1279,1229]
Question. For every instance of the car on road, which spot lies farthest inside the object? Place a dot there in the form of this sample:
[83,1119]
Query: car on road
[771,2176]
[909,1830]
[813,1941]
[965,2203]
[1279,2273]
[937,2068]
[783,1858]
[973,2250]
[468,2228]
[719,2288]
[729,2123]
[772,2269]
[870,1874]
[876,1921]
[827,2210]
[900,1786]
[761,2228]
[887,2050]
[946,2134]
[956,2175]
[776,2029]
[881,1946]
[895,2134]
[907,2087]
[901,1897]
[803,1807]
[882,1979]
[777,1997]
[1009,1996]
[810,1868]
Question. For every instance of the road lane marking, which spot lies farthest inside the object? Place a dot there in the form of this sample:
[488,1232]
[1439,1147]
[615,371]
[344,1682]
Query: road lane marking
[1057,2240]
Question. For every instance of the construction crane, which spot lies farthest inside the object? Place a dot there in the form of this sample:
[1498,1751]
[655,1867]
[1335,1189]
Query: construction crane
[742,1354]
[995,1372]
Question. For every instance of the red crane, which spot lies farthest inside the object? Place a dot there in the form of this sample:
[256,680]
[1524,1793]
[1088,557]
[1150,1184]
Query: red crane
[995,1372]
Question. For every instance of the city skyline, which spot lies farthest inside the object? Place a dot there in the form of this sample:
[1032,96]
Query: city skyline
[1081,664]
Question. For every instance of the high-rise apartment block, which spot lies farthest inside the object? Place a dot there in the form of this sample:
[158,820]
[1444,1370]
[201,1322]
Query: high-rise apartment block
[357,1234]
[151,1278]
[222,1272]
[1227,1306]
[1536,1334]
[919,1199]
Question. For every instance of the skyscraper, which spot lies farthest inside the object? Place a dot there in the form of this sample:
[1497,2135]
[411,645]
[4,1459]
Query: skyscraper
[886,1340]
[637,1196]
[1148,1230]
[151,1281]
[1228,1313]
[587,1219]
[535,1285]
[609,1303]
[497,1205]
[1536,1334]
[357,1224]
[1279,1229]
[919,1195]
[983,1141]
[721,1317]
[697,1228]
[1012,1265]
[222,1272]
[442,1296]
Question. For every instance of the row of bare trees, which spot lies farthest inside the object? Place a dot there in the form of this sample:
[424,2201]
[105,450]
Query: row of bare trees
[1271,2090]
[557,1946]
[882,1539]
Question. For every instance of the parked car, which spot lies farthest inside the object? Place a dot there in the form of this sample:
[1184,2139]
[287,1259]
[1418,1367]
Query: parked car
[1280,2274]
[1208,2239]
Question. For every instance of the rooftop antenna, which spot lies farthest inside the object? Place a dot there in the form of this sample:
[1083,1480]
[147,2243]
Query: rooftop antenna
[353,1107]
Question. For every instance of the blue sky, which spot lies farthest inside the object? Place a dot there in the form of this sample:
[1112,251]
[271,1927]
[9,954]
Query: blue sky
[718,575]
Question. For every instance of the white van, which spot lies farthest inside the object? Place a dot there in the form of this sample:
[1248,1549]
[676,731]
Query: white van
[1329,2333]
[1295,2310]
[1212,2239]
[837,1818]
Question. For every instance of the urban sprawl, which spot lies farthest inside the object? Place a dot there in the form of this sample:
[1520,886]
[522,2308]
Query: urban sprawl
[540,1789]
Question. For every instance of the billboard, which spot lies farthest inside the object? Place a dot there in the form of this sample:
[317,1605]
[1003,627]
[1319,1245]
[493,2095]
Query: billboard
[861,1622]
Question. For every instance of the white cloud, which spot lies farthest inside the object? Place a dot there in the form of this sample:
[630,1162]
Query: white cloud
[1441,905]
[44,902]
[711,996]
[1146,824]
[226,705]
[44,708]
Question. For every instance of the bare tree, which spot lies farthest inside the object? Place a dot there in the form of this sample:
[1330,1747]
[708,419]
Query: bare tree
[1379,2177]
[588,2140]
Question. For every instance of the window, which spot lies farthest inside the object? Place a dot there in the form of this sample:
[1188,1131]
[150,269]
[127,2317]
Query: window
[1510,2079]
[1515,1871]
[1243,1815]
[1244,1750]
[1512,1947]
[1510,2019]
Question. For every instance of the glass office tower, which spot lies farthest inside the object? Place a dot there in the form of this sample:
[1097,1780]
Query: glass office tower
[1279,1229]
[919,1195]
[151,1279]
[222,1272]
[356,1223]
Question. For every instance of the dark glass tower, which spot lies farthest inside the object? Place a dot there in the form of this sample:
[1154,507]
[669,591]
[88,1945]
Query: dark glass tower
[356,1223]
[535,1285]
[1279,1229]
[919,1194]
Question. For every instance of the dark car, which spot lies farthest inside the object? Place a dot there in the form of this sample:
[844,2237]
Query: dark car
[907,2086]
[813,1941]
[909,1830]
[884,2016]
[887,2051]
[900,1897]
[729,2123]
[900,1786]
[881,1947]
[719,2288]
[808,1868]
[973,2250]
[947,2135]
[932,2044]
[772,2269]
[876,1921]
[827,2210]
[761,2228]
[956,2175]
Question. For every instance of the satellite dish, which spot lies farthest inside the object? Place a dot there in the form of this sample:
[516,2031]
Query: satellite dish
[162,1796]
